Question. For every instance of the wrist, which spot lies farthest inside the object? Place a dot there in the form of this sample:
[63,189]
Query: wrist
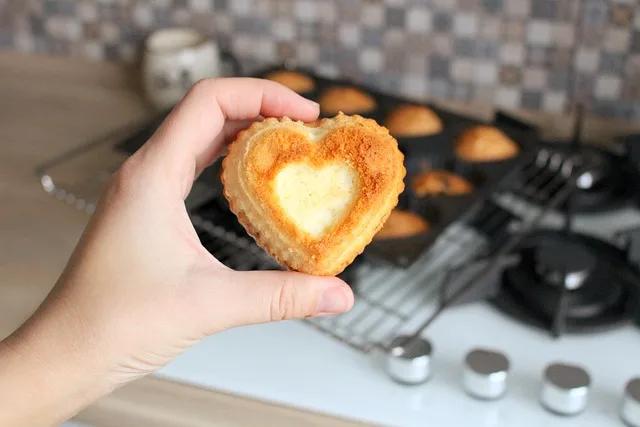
[47,372]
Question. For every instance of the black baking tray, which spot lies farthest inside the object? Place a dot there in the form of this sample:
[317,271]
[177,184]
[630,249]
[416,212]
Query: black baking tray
[434,152]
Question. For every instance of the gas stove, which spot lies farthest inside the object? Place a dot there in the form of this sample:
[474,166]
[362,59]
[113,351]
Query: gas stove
[524,313]
[544,331]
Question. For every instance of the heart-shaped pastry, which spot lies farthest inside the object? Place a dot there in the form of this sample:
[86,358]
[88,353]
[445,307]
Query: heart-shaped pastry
[313,197]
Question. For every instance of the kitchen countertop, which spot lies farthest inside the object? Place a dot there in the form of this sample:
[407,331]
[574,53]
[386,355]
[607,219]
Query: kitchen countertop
[50,105]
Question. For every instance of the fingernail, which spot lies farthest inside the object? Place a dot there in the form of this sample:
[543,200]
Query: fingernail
[332,301]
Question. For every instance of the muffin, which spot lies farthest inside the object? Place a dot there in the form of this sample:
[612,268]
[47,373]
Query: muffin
[297,82]
[436,183]
[402,224]
[485,144]
[413,120]
[348,100]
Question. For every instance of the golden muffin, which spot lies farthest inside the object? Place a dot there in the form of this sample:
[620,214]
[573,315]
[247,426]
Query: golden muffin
[297,82]
[348,100]
[313,197]
[413,120]
[402,224]
[435,183]
[485,144]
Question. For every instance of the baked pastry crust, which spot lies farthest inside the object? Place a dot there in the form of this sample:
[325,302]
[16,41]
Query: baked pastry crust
[345,99]
[402,224]
[413,120]
[297,82]
[485,144]
[267,150]
[437,182]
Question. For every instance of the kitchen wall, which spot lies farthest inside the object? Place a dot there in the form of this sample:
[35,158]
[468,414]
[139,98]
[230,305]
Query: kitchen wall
[539,54]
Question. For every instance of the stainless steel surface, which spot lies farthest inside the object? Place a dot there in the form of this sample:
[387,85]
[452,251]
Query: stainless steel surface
[409,360]
[565,389]
[630,408]
[485,374]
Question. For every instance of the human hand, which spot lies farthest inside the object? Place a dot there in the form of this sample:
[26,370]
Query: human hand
[140,288]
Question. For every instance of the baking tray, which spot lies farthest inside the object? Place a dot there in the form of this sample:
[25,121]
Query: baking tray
[421,153]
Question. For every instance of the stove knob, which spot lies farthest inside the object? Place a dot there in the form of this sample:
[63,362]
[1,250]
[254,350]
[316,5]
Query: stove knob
[630,412]
[485,374]
[565,389]
[409,360]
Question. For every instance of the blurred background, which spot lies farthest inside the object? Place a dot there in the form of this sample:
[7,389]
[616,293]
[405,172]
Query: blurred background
[512,53]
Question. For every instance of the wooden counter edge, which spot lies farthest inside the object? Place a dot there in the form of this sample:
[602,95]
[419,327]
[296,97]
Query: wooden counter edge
[157,402]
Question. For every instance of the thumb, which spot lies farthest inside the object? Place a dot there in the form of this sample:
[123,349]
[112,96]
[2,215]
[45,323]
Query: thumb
[268,296]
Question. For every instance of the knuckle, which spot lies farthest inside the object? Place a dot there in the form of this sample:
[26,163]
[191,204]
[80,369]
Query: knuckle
[204,85]
[122,180]
[283,304]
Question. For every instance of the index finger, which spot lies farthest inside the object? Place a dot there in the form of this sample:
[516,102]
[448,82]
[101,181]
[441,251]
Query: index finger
[188,135]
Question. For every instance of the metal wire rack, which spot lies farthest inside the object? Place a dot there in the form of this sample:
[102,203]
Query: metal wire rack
[390,301]
[393,301]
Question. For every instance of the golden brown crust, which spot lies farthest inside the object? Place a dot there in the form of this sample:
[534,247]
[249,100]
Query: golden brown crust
[348,100]
[260,152]
[413,120]
[297,82]
[485,144]
[402,224]
[432,183]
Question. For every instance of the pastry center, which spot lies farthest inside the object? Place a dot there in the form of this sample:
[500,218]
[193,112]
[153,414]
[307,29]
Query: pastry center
[316,198]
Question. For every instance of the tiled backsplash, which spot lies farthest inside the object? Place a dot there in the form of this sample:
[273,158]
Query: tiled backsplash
[540,54]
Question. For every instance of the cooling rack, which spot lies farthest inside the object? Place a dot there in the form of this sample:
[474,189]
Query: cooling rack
[390,300]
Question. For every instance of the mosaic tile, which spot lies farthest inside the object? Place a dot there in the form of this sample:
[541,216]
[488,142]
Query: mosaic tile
[468,5]
[510,52]
[442,21]
[510,76]
[518,8]
[587,60]
[534,78]
[419,20]
[539,33]
[462,69]
[395,17]
[594,13]
[560,58]
[621,15]
[492,6]
[507,97]
[531,100]
[439,66]
[554,102]
[544,9]
[373,16]
[616,40]
[465,25]
[442,45]
[563,35]
[608,87]
[611,63]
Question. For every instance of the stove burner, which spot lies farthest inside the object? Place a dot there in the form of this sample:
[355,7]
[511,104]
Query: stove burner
[572,278]
[563,264]
[596,172]
[603,184]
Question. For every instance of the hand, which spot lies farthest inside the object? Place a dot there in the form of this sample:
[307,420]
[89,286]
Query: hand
[140,288]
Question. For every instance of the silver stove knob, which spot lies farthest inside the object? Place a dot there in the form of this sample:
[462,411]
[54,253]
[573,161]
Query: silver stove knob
[409,360]
[565,389]
[630,411]
[485,374]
